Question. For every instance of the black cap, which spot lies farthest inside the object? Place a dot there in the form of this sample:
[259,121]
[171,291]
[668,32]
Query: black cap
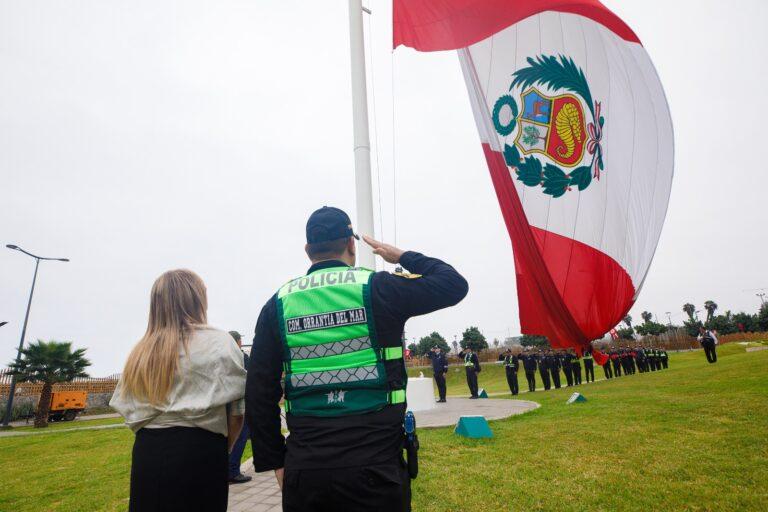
[328,223]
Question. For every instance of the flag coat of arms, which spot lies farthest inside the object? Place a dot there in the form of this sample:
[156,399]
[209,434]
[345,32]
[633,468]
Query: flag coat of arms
[577,136]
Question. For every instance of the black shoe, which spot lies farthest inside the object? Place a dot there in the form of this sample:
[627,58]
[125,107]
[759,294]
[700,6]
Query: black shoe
[441,401]
[473,397]
[240,479]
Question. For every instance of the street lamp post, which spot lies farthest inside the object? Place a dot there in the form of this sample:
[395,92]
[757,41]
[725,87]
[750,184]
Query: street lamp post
[12,390]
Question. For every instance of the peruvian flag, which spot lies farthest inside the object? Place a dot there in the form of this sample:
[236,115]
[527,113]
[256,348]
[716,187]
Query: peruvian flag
[578,139]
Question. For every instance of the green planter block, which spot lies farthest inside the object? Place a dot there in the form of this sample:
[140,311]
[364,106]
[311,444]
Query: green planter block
[576,397]
[482,393]
[473,427]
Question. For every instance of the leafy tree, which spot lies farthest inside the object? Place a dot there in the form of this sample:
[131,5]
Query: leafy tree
[455,346]
[647,317]
[711,307]
[650,328]
[692,327]
[474,339]
[531,135]
[528,340]
[412,347]
[723,324]
[495,342]
[426,343]
[746,322]
[626,333]
[628,320]
[762,317]
[689,309]
[50,363]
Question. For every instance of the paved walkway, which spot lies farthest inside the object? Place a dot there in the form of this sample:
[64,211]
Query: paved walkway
[262,493]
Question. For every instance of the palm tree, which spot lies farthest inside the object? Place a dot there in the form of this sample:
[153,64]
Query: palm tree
[711,307]
[628,320]
[646,316]
[689,309]
[50,363]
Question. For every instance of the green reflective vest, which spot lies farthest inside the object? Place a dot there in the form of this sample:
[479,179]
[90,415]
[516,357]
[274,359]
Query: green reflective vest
[468,360]
[332,362]
[587,356]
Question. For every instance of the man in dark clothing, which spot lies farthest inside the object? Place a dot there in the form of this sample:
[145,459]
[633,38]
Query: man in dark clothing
[607,370]
[708,341]
[471,368]
[235,476]
[439,369]
[339,458]
[565,362]
[576,370]
[664,359]
[616,362]
[529,365]
[589,365]
[553,363]
[541,359]
[511,364]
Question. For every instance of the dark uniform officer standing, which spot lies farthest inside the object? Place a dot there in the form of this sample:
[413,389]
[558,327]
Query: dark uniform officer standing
[511,365]
[439,369]
[553,363]
[472,368]
[541,359]
[337,333]
[529,365]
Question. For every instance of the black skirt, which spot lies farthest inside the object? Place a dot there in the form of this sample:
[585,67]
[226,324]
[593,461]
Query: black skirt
[179,468]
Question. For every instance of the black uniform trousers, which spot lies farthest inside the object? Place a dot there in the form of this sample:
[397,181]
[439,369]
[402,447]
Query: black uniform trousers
[589,370]
[472,380]
[665,362]
[568,374]
[555,376]
[440,381]
[545,377]
[577,374]
[631,365]
[530,376]
[377,487]
[607,370]
[709,351]
[616,366]
[512,380]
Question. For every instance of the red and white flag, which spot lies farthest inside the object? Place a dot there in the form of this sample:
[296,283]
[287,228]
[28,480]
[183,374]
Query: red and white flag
[578,139]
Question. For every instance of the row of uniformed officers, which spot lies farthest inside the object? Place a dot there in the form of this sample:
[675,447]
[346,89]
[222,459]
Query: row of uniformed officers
[549,363]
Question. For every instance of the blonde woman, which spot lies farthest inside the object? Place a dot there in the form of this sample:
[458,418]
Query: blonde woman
[181,393]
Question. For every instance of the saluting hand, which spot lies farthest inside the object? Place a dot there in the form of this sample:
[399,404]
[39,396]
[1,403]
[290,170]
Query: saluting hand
[389,253]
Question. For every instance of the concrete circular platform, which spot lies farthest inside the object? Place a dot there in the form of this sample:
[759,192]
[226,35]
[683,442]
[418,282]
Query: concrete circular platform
[448,414]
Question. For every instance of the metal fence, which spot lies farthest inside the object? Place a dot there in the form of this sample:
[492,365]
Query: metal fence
[89,384]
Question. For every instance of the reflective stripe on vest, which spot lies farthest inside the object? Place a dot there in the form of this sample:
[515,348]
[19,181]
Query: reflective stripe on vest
[468,360]
[332,362]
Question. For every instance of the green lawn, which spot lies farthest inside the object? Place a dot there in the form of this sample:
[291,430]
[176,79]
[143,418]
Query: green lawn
[689,438]
[68,425]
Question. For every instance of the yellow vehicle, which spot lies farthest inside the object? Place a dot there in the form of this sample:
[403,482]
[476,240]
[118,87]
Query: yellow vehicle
[66,405]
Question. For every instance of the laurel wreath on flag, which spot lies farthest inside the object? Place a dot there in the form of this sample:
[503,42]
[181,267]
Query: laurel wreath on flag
[556,74]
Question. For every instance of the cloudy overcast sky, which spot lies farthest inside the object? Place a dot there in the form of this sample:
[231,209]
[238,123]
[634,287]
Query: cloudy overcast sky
[136,137]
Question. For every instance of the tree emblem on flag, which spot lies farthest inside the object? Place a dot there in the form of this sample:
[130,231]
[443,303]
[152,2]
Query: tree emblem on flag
[551,123]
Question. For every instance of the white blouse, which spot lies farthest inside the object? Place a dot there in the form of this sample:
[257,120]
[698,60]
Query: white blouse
[210,375]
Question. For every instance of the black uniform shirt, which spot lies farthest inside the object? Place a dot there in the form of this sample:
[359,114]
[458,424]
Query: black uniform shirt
[356,440]
[529,362]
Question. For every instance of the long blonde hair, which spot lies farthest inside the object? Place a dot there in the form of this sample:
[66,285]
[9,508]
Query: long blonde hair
[178,304]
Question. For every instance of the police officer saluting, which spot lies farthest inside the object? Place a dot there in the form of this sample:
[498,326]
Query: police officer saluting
[336,333]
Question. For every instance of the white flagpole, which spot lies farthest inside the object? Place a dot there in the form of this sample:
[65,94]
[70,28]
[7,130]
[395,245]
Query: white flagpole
[362,147]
